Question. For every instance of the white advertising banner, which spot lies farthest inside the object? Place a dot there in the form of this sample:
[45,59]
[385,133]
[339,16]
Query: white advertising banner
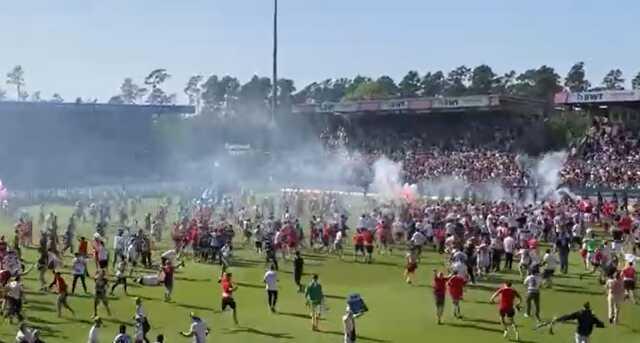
[463,101]
[603,96]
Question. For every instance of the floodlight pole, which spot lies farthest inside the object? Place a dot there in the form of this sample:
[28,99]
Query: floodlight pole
[274,81]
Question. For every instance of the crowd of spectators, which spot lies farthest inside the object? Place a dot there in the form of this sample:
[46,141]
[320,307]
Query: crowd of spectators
[607,157]
[472,157]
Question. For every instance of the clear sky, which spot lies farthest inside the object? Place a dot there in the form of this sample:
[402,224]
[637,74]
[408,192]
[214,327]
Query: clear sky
[86,47]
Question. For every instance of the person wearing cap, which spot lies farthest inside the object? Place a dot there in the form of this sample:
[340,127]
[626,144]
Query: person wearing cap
[94,332]
[198,330]
[349,325]
[586,321]
[315,297]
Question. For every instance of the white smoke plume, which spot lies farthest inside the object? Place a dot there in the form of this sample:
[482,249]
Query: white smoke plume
[546,172]
[387,181]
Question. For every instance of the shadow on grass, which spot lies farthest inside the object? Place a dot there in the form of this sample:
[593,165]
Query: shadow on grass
[337,297]
[259,332]
[40,308]
[315,256]
[116,321]
[473,326]
[37,320]
[481,320]
[484,288]
[188,279]
[573,291]
[249,285]
[364,338]
[297,315]
[194,307]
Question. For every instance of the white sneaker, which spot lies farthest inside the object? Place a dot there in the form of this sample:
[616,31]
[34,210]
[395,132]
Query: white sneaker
[506,333]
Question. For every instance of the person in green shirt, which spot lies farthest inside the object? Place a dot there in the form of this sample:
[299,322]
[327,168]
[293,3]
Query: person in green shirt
[315,297]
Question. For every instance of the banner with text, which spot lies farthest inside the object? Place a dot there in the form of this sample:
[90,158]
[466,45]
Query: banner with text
[603,96]
[462,102]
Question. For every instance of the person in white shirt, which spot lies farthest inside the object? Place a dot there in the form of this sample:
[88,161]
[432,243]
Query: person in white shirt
[271,281]
[121,276]
[79,271]
[509,245]
[533,282]
[349,325]
[337,244]
[550,262]
[417,241]
[14,296]
[94,332]
[198,330]
[122,336]
[118,247]
[25,334]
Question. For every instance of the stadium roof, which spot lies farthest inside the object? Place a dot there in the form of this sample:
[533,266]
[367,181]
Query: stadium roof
[421,105]
[87,108]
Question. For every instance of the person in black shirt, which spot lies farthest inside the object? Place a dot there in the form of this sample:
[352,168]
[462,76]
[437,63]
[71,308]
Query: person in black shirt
[563,244]
[586,321]
[298,266]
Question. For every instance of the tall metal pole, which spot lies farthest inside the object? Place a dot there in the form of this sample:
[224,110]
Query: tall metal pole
[274,82]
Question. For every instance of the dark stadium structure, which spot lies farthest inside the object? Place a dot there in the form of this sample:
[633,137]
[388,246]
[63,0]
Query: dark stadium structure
[617,105]
[46,144]
[439,119]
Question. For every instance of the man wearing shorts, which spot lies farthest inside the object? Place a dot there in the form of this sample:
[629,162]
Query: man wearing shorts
[168,271]
[412,265]
[59,282]
[358,243]
[506,307]
[439,286]
[456,284]
[550,262]
[368,245]
[315,297]
[629,280]
[227,295]
[100,295]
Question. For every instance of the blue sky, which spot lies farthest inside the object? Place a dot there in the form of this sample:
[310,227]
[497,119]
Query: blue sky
[86,47]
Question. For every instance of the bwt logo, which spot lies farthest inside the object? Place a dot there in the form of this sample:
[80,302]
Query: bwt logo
[590,97]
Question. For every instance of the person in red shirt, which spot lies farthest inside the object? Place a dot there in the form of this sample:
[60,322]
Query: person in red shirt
[168,271]
[439,286]
[507,307]
[629,280]
[368,245]
[61,285]
[456,284]
[83,247]
[227,295]
[358,243]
